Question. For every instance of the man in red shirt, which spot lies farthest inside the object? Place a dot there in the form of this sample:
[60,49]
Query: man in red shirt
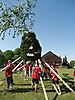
[46,71]
[8,74]
[55,79]
[36,71]
[26,70]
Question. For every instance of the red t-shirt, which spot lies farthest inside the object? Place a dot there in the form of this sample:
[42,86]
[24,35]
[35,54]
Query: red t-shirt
[47,69]
[27,67]
[53,75]
[20,66]
[36,72]
[8,71]
[30,67]
[74,73]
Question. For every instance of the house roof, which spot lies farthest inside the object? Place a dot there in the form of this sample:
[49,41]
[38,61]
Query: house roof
[51,57]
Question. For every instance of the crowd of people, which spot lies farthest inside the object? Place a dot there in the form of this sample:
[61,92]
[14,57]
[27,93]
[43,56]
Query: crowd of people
[36,71]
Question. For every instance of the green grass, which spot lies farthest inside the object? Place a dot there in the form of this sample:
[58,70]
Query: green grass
[22,89]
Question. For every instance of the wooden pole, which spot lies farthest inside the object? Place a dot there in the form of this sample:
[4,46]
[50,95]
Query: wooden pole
[11,74]
[55,88]
[60,79]
[43,89]
[20,67]
[8,65]
[17,66]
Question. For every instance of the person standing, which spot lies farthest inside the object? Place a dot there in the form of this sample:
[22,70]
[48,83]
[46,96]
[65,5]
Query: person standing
[8,74]
[74,76]
[55,79]
[46,71]
[26,70]
[36,71]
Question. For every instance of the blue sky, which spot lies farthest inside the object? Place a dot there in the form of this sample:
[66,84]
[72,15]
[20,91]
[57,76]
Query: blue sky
[54,28]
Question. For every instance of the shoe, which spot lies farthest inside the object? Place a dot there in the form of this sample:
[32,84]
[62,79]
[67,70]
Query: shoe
[59,93]
[11,87]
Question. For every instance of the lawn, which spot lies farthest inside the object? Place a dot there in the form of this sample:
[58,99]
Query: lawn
[22,89]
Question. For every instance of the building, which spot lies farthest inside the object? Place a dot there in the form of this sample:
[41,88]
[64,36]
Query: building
[51,58]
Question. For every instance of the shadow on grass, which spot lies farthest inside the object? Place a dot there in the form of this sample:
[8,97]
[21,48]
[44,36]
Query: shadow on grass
[21,90]
[22,84]
[53,91]
[55,97]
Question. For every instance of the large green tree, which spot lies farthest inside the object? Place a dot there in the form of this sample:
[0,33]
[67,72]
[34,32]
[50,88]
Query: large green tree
[2,58]
[30,47]
[65,60]
[8,54]
[18,18]
[16,53]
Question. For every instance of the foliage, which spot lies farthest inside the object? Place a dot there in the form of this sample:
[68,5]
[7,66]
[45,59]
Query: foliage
[72,63]
[8,54]
[65,60]
[30,47]
[15,57]
[2,58]
[18,18]
[16,51]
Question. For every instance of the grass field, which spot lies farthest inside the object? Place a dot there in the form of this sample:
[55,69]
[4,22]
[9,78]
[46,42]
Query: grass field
[22,89]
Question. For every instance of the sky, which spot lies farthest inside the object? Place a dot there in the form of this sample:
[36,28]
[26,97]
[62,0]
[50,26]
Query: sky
[54,27]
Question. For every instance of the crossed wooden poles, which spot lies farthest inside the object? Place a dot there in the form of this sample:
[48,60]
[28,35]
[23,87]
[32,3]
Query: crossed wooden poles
[40,77]
[60,79]
[8,65]
[12,70]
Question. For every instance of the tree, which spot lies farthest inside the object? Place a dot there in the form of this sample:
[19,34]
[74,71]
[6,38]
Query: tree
[65,60]
[8,54]
[17,18]
[2,58]
[16,51]
[30,47]
[72,63]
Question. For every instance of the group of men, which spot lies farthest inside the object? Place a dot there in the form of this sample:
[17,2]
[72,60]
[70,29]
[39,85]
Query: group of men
[35,71]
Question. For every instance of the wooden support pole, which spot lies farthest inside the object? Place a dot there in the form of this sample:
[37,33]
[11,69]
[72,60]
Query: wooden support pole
[17,66]
[60,78]
[21,67]
[8,65]
[43,89]
[55,88]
